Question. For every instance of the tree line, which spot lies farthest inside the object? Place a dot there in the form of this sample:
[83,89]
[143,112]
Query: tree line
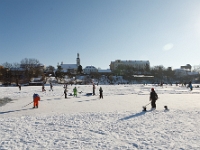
[30,68]
[20,72]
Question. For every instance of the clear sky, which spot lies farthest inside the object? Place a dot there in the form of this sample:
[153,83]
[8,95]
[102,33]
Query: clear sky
[165,32]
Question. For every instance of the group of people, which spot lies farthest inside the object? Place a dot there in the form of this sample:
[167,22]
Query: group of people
[74,90]
[100,91]
[93,92]
[43,87]
[153,96]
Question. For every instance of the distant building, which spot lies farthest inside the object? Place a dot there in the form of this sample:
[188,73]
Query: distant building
[187,67]
[139,64]
[183,71]
[104,71]
[90,69]
[180,72]
[72,68]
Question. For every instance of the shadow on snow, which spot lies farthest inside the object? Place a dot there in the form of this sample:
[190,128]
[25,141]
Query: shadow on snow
[5,112]
[133,116]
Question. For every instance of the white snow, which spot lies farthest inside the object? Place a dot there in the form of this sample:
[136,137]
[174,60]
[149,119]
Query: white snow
[87,122]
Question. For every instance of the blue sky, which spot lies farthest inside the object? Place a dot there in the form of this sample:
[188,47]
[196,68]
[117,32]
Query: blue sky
[165,32]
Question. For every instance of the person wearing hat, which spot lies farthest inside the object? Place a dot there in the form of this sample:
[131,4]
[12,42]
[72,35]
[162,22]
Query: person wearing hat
[153,98]
[36,98]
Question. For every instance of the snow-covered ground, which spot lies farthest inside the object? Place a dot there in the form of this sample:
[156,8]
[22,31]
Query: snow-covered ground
[87,122]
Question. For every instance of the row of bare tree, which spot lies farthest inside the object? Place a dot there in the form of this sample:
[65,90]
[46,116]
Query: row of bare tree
[29,68]
[20,72]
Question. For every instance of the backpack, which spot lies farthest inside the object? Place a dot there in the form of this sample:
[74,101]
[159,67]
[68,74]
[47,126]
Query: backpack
[156,96]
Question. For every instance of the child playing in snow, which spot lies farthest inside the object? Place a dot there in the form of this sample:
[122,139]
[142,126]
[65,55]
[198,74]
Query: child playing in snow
[36,99]
[75,92]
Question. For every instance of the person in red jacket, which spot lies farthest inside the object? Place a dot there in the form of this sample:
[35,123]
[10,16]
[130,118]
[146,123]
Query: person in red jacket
[36,99]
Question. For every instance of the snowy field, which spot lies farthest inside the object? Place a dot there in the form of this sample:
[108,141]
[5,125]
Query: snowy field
[89,123]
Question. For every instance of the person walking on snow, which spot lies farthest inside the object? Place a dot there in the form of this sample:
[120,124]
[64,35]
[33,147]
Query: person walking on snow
[36,99]
[51,87]
[75,92]
[43,88]
[153,98]
[101,93]
[19,87]
[190,85]
[93,89]
[65,92]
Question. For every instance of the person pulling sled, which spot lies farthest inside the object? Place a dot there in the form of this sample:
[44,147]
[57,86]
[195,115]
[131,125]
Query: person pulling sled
[153,98]
[36,99]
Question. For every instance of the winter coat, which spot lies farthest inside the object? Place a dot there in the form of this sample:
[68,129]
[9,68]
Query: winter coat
[36,97]
[100,90]
[75,90]
[153,96]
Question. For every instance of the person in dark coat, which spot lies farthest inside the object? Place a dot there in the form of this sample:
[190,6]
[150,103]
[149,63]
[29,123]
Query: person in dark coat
[153,98]
[65,92]
[190,85]
[93,89]
[101,93]
[19,87]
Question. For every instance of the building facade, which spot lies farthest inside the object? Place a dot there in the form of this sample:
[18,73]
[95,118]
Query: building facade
[139,64]
[71,68]
[90,69]
[187,67]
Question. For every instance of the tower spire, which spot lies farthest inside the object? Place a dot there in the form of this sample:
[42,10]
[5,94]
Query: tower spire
[78,60]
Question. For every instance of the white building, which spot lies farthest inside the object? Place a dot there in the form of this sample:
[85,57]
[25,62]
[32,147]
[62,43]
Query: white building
[184,72]
[180,72]
[104,71]
[72,68]
[139,64]
[90,69]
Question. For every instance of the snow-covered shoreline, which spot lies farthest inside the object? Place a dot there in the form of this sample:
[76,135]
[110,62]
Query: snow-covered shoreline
[87,122]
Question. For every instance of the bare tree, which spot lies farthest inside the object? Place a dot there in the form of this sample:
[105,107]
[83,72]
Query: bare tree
[59,74]
[32,67]
[7,65]
[16,73]
[6,73]
[49,71]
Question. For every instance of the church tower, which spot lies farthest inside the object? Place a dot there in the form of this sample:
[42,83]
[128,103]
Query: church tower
[78,60]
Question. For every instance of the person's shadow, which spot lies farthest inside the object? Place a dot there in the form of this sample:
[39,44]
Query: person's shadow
[5,112]
[133,116]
